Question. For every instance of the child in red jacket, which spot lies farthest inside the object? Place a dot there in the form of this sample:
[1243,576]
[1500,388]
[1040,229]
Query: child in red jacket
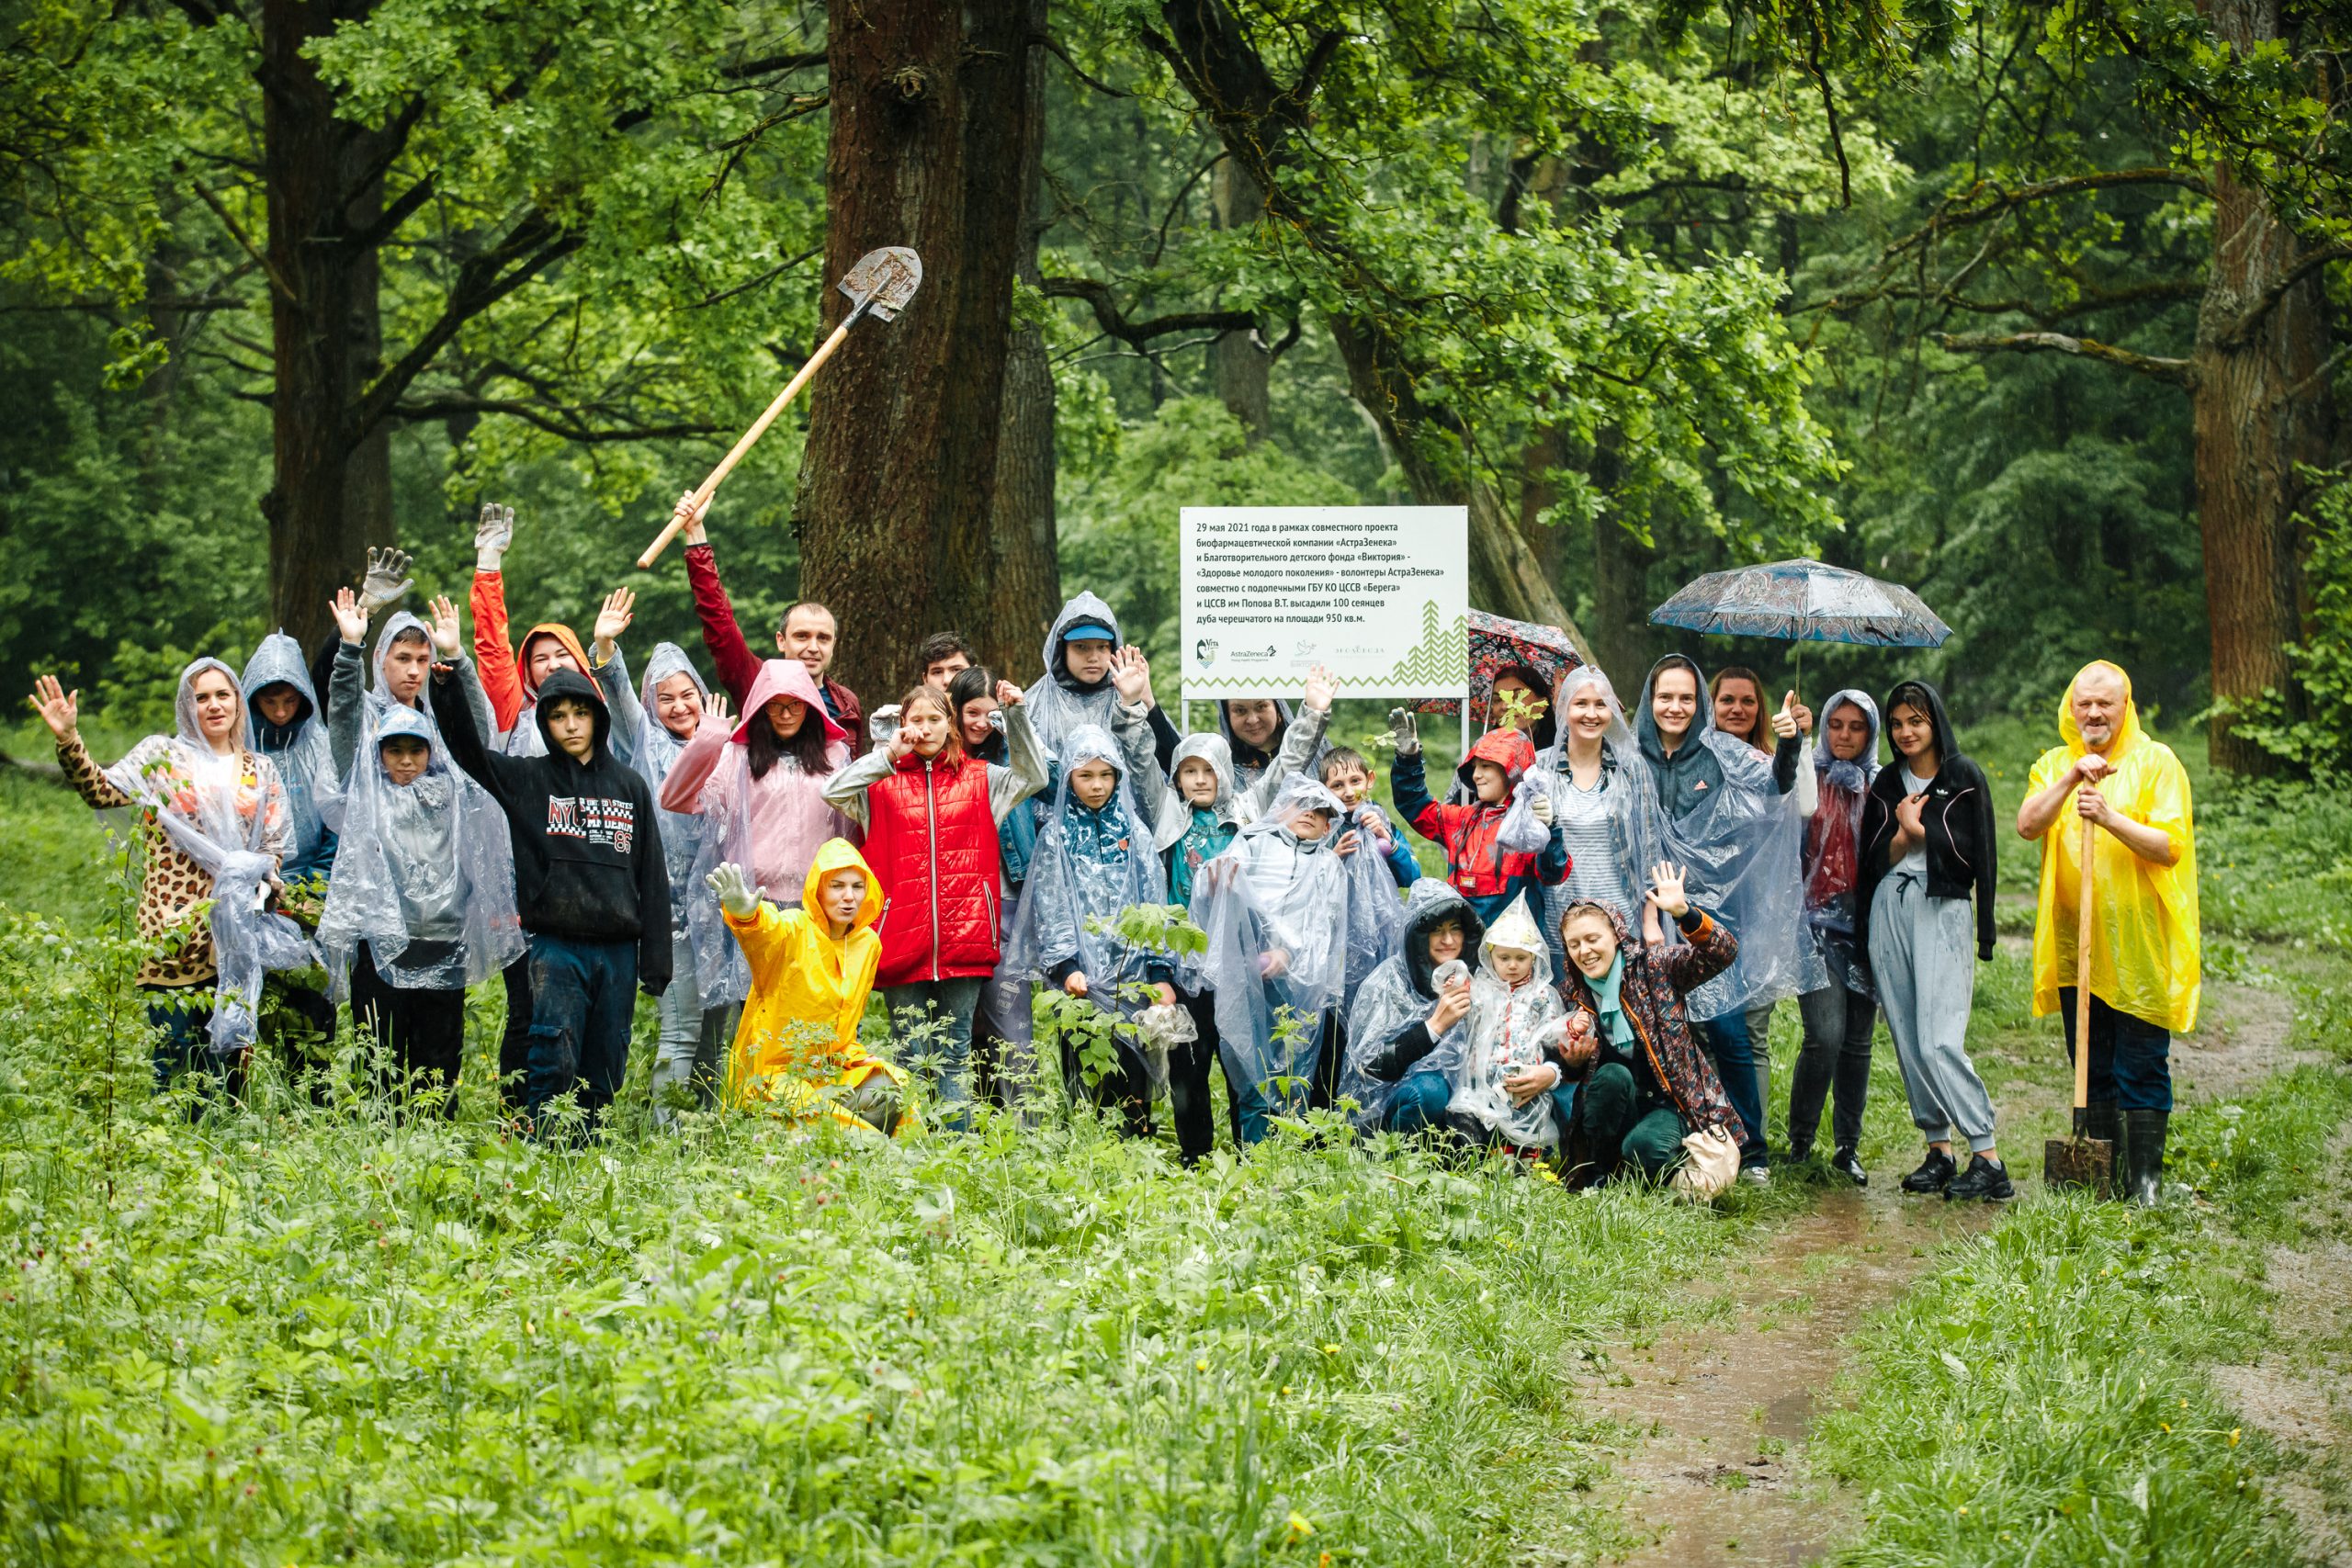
[1488,875]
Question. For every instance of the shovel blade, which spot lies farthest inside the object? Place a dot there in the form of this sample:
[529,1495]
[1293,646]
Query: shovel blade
[883,281]
[2079,1162]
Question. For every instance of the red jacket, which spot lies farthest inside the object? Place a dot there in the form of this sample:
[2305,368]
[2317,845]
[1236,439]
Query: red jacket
[1481,870]
[931,838]
[732,657]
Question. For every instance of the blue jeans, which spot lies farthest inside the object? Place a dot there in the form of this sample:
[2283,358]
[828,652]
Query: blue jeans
[949,1067]
[2130,1058]
[1563,1106]
[1417,1103]
[584,996]
[1733,1055]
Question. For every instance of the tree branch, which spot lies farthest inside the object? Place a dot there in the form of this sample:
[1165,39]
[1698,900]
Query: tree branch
[2243,327]
[237,233]
[1114,323]
[2179,372]
[560,423]
[772,64]
[1050,46]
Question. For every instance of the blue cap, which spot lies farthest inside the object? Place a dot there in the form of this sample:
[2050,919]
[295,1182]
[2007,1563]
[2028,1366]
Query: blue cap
[1085,629]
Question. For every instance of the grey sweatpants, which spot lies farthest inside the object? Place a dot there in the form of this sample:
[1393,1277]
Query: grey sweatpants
[1923,956]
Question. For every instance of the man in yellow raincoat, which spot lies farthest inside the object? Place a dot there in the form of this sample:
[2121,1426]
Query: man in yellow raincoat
[2145,957]
[812,969]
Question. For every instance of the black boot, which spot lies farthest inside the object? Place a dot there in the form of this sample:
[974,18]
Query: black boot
[2145,1145]
[1986,1180]
[1933,1176]
[2101,1123]
[1846,1164]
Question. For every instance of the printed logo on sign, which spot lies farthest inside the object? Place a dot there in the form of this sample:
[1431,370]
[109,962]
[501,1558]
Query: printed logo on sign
[1305,648]
[1205,651]
[593,819]
[1254,655]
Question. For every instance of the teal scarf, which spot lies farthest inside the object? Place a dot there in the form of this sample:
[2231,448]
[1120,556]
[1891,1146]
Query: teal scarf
[1613,1023]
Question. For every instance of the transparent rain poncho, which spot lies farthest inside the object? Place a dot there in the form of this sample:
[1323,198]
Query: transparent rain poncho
[1274,909]
[1055,711]
[1509,1030]
[1399,992]
[305,764]
[1740,846]
[1832,852]
[423,871]
[1626,801]
[1088,866]
[1375,917]
[233,823]
[652,751]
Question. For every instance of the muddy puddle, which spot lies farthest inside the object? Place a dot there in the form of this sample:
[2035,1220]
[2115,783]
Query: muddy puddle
[1716,1411]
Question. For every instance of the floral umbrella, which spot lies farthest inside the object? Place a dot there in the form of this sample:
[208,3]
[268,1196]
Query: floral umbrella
[1499,643]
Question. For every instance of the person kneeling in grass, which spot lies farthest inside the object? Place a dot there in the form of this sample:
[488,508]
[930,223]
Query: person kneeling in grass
[812,969]
[1646,1085]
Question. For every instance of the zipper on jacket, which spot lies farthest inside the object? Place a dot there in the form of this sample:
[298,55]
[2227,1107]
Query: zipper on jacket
[930,817]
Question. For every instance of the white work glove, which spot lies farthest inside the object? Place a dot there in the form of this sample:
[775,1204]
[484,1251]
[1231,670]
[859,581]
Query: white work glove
[493,535]
[1540,805]
[387,579]
[1409,739]
[735,894]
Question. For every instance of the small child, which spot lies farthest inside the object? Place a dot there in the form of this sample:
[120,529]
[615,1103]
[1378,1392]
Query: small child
[1505,1090]
[812,968]
[1480,869]
[1347,774]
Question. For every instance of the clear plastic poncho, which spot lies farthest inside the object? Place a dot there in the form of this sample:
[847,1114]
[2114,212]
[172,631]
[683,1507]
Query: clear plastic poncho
[1833,853]
[1088,866]
[1740,846]
[227,819]
[1270,893]
[380,694]
[423,871]
[1389,999]
[306,764]
[1375,919]
[1509,1030]
[1055,711]
[652,750]
[1628,798]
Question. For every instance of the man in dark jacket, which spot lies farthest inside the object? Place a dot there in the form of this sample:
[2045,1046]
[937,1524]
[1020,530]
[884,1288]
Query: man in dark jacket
[590,883]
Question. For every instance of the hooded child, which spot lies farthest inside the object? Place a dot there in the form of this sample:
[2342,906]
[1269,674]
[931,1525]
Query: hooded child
[288,725]
[422,901]
[1509,1083]
[1477,865]
[930,811]
[1408,1031]
[1644,1083]
[214,826]
[1726,815]
[590,882]
[1081,655]
[1838,1006]
[812,968]
[2146,957]
[1928,848]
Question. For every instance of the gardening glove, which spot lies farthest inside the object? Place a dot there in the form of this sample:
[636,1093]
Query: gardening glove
[1409,739]
[386,581]
[735,894]
[493,535]
[1540,804]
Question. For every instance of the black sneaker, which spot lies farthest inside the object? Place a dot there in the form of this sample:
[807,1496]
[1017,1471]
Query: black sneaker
[1986,1180]
[1933,1176]
[1844,1163]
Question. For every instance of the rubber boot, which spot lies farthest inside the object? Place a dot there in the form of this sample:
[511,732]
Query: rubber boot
[2102,1121]
[2145,1139]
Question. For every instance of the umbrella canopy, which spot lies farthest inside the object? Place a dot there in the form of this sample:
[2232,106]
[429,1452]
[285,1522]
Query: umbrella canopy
[1803,601]
[1499,643]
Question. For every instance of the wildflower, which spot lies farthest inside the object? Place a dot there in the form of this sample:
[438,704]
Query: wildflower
[1297,1527]
[2233,1436]
[1200,1366]
[2164,1425]
[1330,1349]
[1286,1394]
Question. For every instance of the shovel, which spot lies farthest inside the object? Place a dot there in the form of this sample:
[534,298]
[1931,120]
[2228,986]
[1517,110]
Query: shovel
[2081,1160]
[882,282]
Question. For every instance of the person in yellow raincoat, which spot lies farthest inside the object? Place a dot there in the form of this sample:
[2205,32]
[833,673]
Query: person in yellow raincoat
[2145,957]
[812,969]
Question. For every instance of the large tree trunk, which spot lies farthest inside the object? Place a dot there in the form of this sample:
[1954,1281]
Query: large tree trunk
[2260,408]
[1239,365]
[896,502]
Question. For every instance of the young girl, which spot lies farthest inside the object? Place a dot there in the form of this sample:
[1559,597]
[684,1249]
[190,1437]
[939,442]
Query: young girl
[931,813]
[1838,1007]
[1503,1087]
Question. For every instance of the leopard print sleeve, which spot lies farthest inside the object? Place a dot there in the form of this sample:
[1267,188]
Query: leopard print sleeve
[83,773]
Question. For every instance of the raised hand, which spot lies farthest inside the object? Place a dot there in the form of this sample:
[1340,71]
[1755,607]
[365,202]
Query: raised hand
[1321,687]
[387,580]
[1409,739]
[351,617]
[59,708]
[493,535]
[735,894]
[693,513]
[1131,673]
[1540,804]
[1008,695]
[1665,889]
[621,608]
[449,635]
[1784,722]
[714,710]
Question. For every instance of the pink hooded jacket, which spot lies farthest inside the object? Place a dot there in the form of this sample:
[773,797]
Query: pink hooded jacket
[772,827]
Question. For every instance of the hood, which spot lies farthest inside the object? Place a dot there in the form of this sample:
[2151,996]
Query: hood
[394,625]
[1574,982]
[1213,750]
[184,706]
[667,660]
[838,854]
[1618,733]
[786,678]
[2127,733]
[1084,608]
[1701,722]
[1429,904]
[1945,749]
[563,635]
[1298,793]
[1241,750]
[568,683]
[278,661]
[395,722]
[1865,767]
[1515,928]
[1507,749]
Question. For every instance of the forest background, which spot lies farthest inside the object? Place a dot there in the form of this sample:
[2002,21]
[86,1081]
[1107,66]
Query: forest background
[2031,307]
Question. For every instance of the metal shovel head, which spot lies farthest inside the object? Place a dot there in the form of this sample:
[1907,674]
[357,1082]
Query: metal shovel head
[883,281]
[2079,1162]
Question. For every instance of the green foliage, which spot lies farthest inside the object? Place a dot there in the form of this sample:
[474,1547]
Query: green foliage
[2314,733]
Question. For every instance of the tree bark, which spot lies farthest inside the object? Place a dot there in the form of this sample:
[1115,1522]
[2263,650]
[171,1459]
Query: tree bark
[896,501]
[1239,365]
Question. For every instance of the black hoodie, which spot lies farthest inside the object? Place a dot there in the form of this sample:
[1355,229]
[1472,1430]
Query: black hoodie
[1391,1063]
[588,862]
[1962,842]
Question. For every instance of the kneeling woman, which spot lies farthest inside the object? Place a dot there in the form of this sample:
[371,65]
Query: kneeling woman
[1646,1083]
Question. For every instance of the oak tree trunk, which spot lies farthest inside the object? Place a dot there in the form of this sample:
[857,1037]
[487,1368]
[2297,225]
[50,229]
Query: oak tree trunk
[1239,365]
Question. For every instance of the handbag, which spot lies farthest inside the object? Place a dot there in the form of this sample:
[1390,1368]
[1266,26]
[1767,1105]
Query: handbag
[1710,1165]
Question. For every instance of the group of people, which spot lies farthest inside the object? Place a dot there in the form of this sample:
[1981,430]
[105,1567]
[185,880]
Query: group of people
[1590,981]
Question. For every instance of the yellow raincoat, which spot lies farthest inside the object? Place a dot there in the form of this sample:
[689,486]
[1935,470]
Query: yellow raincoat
[799,1029]
[2145,947]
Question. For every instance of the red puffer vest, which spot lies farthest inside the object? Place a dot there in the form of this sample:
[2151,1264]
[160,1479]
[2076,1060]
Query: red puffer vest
[931,840]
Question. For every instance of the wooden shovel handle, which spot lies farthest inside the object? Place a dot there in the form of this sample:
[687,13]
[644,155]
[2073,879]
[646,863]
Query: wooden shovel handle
[751,437]
[2082,968]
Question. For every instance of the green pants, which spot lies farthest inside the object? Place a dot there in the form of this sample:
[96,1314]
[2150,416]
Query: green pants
[1616,1120]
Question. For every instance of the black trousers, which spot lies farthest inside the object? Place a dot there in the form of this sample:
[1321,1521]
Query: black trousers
[1126,1088]
[1190,1105]
[425,1030]
[515,1044]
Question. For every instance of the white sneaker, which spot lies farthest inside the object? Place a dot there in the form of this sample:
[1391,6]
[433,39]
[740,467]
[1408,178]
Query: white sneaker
[1756,1175]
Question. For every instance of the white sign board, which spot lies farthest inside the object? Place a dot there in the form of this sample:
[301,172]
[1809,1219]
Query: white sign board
[1380,593]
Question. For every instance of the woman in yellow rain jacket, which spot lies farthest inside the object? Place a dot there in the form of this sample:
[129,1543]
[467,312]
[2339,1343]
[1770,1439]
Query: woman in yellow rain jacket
[811,970]
[2145,958]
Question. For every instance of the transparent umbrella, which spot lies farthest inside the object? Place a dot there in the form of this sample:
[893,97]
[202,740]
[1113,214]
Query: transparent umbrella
[1801,601]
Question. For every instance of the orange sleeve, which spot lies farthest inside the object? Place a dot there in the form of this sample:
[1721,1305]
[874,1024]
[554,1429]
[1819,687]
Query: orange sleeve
[493,654]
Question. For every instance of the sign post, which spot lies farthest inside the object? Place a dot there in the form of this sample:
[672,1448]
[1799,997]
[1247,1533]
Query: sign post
[1379,594]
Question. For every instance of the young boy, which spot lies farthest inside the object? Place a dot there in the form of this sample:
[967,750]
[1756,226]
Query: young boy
[812,969]
[289,729]
[1504,1090]
[590,882]
[1480,869]
[1349,776]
